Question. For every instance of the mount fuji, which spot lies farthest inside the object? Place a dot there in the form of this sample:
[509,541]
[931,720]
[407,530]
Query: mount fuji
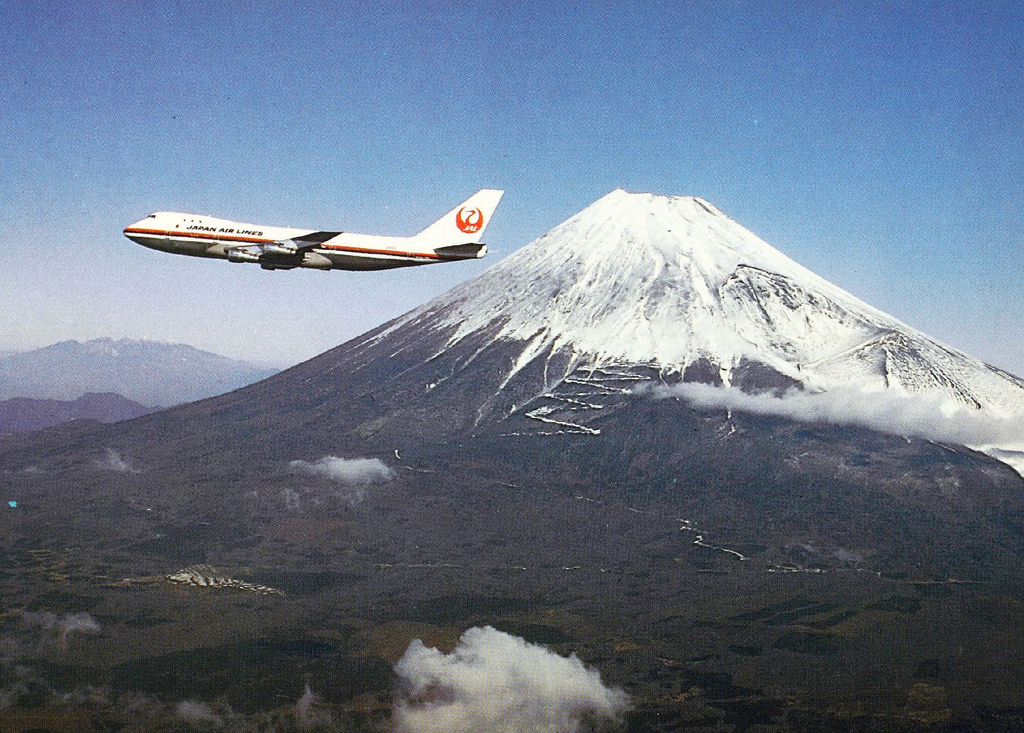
[673,282]
[634,293]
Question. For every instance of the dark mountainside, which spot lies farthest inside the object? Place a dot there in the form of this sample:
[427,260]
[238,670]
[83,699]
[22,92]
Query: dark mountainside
[23,415]
[727,570]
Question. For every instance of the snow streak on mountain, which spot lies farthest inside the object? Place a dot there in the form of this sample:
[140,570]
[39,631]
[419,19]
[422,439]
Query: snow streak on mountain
[673,284]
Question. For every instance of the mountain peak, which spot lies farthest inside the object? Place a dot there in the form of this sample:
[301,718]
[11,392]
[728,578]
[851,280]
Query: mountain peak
[670,282]
[633,277]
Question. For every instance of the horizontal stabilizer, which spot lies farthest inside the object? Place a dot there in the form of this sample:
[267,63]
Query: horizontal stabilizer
[462,251]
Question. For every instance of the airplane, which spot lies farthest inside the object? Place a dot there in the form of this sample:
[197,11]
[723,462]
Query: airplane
[453,237]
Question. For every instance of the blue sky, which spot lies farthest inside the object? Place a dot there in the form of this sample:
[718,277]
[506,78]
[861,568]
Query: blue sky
[879,144]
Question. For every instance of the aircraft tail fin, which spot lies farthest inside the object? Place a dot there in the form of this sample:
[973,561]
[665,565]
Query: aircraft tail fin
[463,225]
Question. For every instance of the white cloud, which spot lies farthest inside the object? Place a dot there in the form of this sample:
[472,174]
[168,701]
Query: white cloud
[292,500]
[499,683]
[62,627]
[198,714]
[932,417]
[77,623]
[112,461]
[358,471]
[310,713]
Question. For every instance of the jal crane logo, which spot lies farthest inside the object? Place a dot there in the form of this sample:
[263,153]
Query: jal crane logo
[469,219]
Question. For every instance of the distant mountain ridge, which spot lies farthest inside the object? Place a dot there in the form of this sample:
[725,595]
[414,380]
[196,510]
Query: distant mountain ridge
[148,372]
[24,414]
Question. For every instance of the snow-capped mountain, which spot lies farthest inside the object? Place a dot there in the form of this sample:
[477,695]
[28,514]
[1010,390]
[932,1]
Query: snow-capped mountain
[639,289]
[673,282]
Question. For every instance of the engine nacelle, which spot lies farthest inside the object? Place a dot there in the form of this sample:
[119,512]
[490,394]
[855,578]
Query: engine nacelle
[279,250]
[242,255]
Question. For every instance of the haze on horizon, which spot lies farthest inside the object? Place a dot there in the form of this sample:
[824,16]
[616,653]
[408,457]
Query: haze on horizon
[878,145]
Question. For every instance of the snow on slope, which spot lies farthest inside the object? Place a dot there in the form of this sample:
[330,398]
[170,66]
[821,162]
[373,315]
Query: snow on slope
[639,278]
[669,282]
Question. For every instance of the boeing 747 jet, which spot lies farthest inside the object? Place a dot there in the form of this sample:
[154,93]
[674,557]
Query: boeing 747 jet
[455,236]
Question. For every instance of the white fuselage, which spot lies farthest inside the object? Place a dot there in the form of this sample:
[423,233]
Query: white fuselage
[278,247]
[453,237]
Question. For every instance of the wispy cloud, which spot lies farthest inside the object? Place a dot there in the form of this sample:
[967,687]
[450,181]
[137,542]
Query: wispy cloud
[359,471]
[310,713]
[77,623]
[292,500]
[197,714]
[112,461]
[932,417]
[61,627]
[499,683]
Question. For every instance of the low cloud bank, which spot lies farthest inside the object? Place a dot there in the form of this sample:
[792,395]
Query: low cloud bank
[357,471]
[931,417]
[500,683]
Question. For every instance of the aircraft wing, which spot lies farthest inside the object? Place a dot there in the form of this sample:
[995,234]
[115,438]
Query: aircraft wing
[313,239]
[295,245]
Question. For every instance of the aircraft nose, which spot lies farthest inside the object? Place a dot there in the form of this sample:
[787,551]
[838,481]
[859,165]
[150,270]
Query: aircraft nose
[139,229]
[141,224]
